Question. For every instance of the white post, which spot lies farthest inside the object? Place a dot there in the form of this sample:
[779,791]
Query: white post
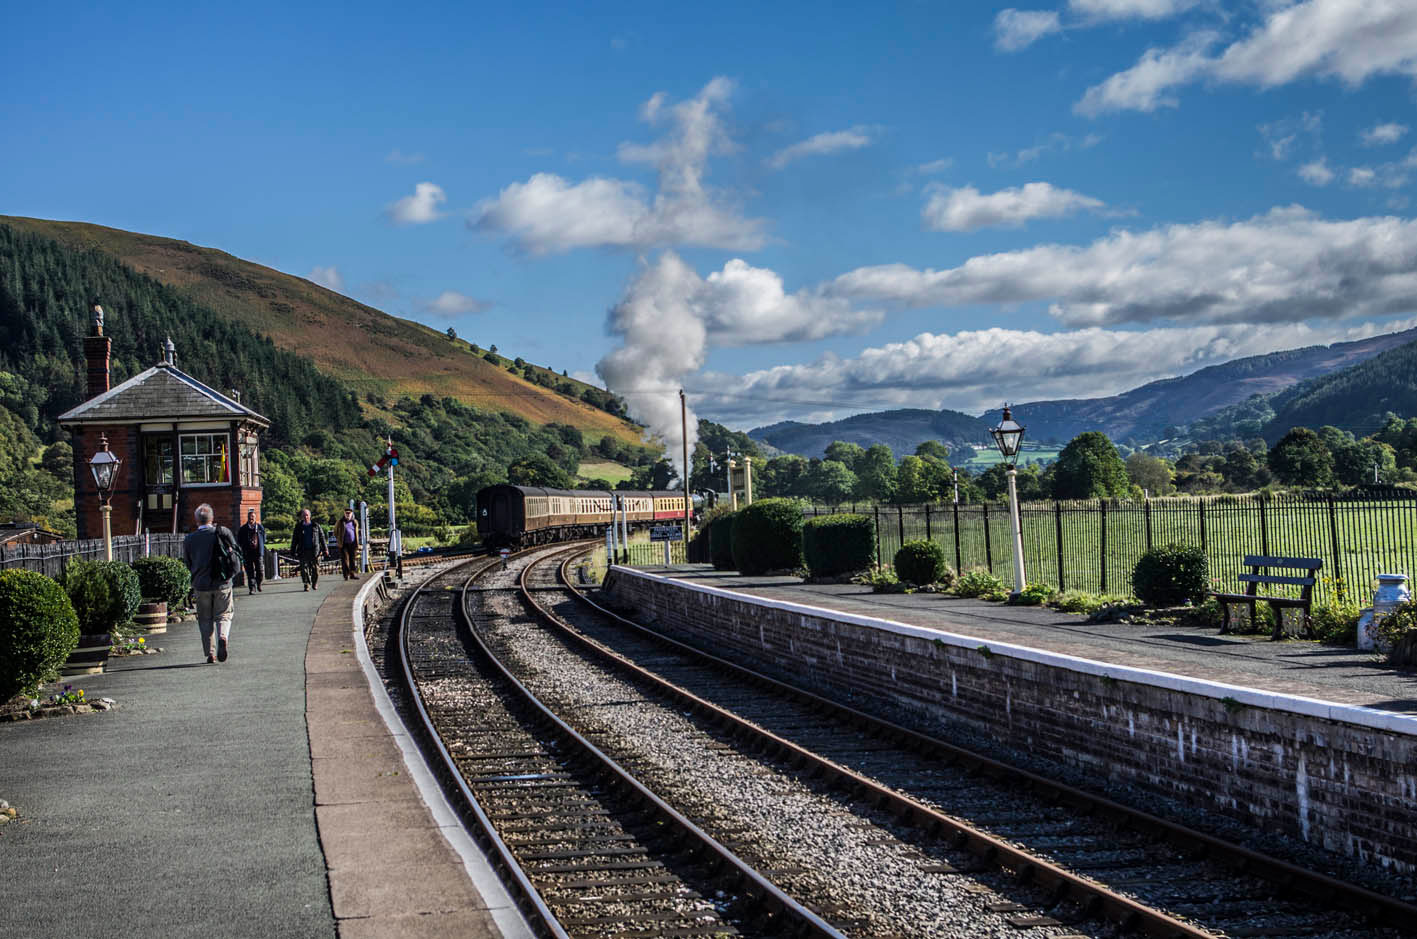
[107,511]
[394,546]
[363,536]
[625,528]
[1019,581]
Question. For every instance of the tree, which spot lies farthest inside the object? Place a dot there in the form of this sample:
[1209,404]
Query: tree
[1090,468]
[537,469]
[923,479]
[993,483]
[876,474]
[1301,459]
[933,448]
[1353,465]
[452,333]
[848,454]
[829,481]
[781,476]
[1150,473]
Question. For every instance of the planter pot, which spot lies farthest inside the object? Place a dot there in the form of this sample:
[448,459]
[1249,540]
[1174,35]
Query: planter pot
[90,656]
[152,617]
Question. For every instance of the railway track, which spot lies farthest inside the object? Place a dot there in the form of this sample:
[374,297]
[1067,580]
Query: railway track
[588,851]
[1082,861]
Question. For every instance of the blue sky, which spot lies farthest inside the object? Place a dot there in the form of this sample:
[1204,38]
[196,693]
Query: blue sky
[792,210]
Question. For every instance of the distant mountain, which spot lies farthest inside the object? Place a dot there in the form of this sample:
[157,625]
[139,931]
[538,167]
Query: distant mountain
[900,430]
[1299,383]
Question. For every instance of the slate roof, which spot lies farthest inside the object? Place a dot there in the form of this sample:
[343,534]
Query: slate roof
[163,392]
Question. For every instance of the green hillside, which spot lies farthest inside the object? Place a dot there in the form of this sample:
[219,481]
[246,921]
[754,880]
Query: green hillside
[1356,398]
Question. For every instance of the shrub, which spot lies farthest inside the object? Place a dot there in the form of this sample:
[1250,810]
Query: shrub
[1081,601]
[767,536]
[720,536]
[1336,621]
[162,579]
[105,594]
[882,580]
[980,583]
[1170,576]
[38,630]
[1398,631]
[1034,595]
[838,544]
[920,562]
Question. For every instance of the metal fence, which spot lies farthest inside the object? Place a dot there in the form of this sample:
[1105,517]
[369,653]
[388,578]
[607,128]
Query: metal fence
[1094,545]
[51,558]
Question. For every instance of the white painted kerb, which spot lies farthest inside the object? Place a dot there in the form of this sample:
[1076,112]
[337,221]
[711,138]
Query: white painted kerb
[1275,701]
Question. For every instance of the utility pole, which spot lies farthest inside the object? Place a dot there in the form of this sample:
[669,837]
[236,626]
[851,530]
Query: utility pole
[688,503]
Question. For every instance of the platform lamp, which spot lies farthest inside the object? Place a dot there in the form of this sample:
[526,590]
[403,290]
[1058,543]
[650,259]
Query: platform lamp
[105,466]
[1008,437]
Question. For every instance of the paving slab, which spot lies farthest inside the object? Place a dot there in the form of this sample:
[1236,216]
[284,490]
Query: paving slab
[1296,667]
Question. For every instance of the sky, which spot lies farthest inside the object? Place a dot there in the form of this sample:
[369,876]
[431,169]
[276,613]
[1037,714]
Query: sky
[792,211]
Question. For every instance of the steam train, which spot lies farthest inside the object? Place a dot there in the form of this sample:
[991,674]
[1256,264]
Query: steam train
[518,516]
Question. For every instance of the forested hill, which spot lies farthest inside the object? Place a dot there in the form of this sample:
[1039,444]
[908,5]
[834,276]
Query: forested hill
[1145,413]
[1354,399]
[45,292]
[901,430]
[379,356]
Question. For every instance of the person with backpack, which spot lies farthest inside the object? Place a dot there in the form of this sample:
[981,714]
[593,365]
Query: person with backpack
[347,534]
[214,560]
[308,546]
[252,538]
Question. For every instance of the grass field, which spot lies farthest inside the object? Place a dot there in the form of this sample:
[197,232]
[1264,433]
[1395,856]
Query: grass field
[614,472]
[1077,545]
[983,459]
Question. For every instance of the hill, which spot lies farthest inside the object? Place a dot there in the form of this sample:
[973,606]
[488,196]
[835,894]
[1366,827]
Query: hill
[901,430]
[383,357]
[1354,399]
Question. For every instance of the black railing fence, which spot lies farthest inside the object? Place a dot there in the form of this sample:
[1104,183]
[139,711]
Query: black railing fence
[51,558]
[1094,545]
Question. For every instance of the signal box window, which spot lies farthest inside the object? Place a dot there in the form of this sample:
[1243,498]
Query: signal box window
[205,460]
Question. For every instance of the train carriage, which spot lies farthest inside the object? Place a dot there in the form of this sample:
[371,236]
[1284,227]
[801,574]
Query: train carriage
[514,516]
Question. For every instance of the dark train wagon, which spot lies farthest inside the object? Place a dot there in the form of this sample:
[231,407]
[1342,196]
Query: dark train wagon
[512,516]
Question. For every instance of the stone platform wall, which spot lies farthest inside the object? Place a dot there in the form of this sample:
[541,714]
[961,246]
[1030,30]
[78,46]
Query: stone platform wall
[1340,777]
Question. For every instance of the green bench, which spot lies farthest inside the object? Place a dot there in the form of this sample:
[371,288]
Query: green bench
[1308,574]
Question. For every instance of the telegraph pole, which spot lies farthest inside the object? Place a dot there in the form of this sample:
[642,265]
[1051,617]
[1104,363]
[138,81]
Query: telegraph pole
[688,503]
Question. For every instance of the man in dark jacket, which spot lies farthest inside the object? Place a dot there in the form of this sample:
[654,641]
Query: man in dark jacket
[308,546]
[347,534]
[215,604]
[252,539]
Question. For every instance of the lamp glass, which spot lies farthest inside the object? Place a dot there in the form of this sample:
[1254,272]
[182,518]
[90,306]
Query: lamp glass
[1008,436]
[104,466]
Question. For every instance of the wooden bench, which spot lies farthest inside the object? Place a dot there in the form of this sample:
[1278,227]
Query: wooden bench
[1257,563]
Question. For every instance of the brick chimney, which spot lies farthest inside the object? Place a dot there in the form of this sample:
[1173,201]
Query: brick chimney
[97,350]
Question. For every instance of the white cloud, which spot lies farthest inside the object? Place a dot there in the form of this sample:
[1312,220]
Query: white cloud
[1108,10]
[1018,29]
[669,317]
[1281,136]
[1055,142]
[326,277]
[1362,176]
[934,166]
[966,209]
[548,213]
[450,303]
[1383,134]
[1287,265]
[973,370]
[1317,172]
[419,208]
[1351,40]
[833,142]
[398,157]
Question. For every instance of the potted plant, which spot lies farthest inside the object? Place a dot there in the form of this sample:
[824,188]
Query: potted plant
[105,595]
[163,583]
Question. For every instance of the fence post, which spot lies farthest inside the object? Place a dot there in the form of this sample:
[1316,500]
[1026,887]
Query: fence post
[1264,528]
[988,547]
[1203,547]
[1058,518]
[1146,508]
[959,560]
[1333,537]
[877,511]
[900,522]
[928,534]
[1103,503]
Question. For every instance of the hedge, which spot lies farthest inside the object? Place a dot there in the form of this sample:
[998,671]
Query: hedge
[720,537]
[105,594]
[838,544]
[162,579]
[920,562]
[38,630]
[1171,576]
[767,536]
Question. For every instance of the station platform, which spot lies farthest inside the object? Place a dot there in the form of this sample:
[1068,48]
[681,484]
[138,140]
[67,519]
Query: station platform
[262,797]
[1293,667]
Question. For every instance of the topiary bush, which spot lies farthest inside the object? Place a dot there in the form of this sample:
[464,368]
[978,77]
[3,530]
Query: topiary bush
[767,536]
[1171,576]
[838,544]
[920,562]
[38,630]
[162,579]
[718,528]
[105,594]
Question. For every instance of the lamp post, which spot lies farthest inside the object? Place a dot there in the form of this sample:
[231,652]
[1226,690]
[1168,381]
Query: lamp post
[1008,436]
[104,466]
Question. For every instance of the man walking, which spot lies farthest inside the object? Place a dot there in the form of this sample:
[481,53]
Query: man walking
[347,533]
[211,584]
[252,539]
[308,546]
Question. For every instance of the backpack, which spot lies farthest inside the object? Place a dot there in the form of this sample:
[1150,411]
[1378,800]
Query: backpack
[226,560]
